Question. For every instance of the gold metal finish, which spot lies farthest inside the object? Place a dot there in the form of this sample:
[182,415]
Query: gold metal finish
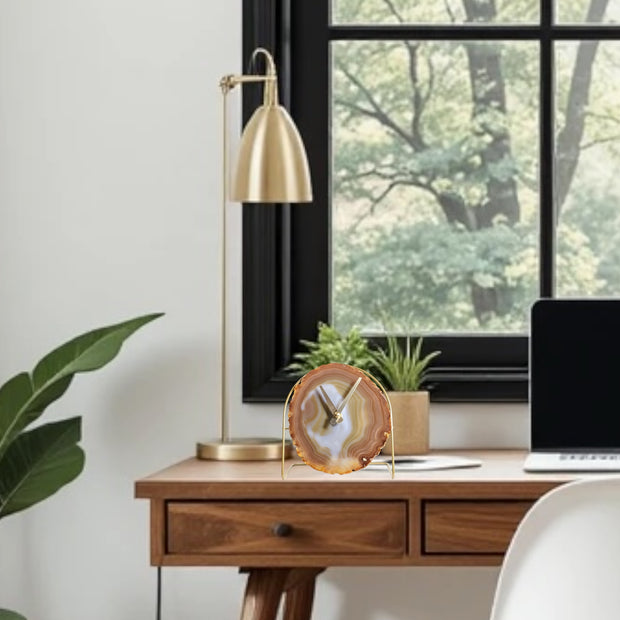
[285,427]
[346,399]
[272,164]
[273,167]
[246,449]
[336,418]
[380,386]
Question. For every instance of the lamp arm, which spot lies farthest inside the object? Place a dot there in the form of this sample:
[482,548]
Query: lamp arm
[270,79]
[228,82]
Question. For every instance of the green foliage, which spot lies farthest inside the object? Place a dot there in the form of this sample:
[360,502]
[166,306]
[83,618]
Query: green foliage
[426,270]
[408,205]
[421,11]
[24,397]
[403,371]
[36,463]
[5,614]
[589,237]
[331,346]
[435,180]
[39,462]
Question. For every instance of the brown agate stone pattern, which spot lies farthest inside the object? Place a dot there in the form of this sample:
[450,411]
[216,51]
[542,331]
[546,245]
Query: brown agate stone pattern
[339,419]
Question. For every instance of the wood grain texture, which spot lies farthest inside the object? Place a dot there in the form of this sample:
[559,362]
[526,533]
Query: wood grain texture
[196,479]
[300,594]
[221,513]
[466,527]
[263,592]
[265,587]
[158,531]
[246,528]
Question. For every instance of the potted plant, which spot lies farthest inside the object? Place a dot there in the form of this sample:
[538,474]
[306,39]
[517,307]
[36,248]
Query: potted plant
[37,462]
[404,373]
[331,346]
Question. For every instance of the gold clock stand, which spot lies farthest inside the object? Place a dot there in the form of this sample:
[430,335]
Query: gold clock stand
[286,446]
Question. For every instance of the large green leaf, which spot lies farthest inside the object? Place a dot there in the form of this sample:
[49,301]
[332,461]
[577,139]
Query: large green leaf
[24,397]
[6,614]
[38,463]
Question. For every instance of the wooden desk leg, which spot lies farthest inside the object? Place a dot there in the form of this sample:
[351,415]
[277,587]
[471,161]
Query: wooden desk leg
[300,593]
[265,587]
[263,592]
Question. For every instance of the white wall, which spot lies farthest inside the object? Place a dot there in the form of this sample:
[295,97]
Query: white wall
[109,206]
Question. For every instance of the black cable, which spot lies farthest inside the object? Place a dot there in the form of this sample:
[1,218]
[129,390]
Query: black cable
[158,605]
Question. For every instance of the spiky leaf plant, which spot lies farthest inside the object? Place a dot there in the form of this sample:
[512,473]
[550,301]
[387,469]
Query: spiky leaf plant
[403,370]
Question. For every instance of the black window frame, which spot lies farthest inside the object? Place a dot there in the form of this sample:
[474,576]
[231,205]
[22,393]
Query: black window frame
[286,247]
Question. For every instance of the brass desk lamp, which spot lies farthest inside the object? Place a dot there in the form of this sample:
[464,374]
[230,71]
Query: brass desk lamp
[272,168]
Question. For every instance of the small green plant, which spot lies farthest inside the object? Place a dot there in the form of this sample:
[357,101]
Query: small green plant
[37,462]
[332,346]
[403,371]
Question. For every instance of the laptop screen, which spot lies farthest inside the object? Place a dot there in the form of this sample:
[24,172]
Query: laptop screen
[575,374]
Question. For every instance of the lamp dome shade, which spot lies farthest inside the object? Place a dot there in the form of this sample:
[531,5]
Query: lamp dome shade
[272,165]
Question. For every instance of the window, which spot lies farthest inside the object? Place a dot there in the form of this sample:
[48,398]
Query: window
[463,156]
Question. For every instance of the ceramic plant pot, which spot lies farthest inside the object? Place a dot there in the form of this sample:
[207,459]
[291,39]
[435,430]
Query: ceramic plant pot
[410,422]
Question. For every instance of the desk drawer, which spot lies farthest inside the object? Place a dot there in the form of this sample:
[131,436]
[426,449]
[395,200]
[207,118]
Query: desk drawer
[361,528]
[470,527]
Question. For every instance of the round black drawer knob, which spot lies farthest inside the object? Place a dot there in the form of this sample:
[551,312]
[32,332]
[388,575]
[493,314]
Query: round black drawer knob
[281,529]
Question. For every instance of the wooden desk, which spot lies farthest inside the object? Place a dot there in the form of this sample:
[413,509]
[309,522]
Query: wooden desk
[284,533]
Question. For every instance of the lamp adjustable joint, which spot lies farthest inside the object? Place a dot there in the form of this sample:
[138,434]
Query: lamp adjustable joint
[228,82]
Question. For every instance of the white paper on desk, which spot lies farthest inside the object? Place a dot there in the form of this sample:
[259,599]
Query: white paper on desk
[425,463]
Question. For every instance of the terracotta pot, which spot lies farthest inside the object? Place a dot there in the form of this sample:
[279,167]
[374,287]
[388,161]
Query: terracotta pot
[410,422]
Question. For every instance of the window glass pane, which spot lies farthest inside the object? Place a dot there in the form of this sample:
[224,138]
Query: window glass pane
[434,185]
[587,165]
[434,11]
[587,11]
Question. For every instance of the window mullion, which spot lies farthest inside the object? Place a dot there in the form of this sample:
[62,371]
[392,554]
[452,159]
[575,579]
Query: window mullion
[547,218]
[547,13]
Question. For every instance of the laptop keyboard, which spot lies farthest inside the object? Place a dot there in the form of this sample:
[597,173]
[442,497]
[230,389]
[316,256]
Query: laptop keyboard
[581,456]
[573,461]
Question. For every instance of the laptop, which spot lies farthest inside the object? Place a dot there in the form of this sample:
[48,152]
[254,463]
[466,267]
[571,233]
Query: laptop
[575,385]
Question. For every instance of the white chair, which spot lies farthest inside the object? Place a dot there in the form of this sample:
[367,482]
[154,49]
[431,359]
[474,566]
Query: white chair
[564,560]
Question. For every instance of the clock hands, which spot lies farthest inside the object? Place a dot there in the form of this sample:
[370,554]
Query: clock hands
[326,401]
[336,412]
[347,398]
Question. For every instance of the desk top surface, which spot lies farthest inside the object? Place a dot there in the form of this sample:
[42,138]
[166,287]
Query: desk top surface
[498,466]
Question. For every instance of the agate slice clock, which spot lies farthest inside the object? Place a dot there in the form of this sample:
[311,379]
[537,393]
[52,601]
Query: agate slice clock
[338,418]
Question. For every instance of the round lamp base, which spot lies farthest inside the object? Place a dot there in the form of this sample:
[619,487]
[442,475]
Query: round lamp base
[244,449]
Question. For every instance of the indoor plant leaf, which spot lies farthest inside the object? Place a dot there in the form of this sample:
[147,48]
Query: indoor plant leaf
[89,351]
[38,463]
[7,614]
[403,371]
[24,397]
[331,346]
